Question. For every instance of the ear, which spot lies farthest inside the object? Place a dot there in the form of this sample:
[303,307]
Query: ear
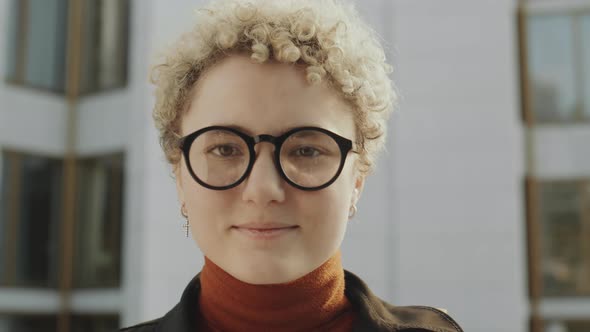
[179,186]
[359,185]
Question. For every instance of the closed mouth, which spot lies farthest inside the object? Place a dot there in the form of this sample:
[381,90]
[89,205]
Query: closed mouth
[262,229]
[265,233]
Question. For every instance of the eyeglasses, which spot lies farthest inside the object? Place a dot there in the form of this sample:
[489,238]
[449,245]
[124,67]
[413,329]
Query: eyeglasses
[308,158]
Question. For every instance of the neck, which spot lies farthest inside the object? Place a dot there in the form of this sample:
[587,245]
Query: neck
[314,301]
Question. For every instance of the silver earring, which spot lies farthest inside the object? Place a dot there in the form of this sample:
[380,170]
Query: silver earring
[352,211]
[185,215]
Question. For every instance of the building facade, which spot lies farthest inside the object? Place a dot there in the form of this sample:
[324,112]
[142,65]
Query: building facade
[461,213]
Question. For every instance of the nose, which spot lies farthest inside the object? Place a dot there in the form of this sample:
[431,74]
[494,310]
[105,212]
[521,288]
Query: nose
[264,184]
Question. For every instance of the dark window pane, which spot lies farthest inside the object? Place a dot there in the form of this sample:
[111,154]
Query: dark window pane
[578,326]
[82,323]
[28,323]
[4,192]
[567,326]
[38,36]
[12,49]
[46,23]
[551,67]
[98,244]
[40,204]
[31,204]
[565,264]
[105,29]
[585,23]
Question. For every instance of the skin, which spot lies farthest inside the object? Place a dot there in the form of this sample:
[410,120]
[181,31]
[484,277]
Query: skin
[267,98]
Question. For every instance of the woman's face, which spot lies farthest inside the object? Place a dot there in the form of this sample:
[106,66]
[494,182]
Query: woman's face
[267,99]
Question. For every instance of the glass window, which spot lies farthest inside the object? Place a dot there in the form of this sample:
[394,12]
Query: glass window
[95,323]
[551,67]
[31,213]
[4,191]
[565,237]
[31,205]
[98,241]
[28,323]
[585,23]
[567,326]
[48,323]
[38,35]
[12,29]
[46,44]
[104,64]
[579,326]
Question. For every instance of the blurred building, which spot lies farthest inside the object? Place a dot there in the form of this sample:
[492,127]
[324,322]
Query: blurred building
[555,94]
[481,204]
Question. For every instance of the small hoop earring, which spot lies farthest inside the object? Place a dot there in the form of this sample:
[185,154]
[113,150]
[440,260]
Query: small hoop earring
[185,215]
[352,211]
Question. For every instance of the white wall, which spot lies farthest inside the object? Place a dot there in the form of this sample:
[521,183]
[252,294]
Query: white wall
[134,255]
[34,122]
[458,162]
[562,152]
[103,122]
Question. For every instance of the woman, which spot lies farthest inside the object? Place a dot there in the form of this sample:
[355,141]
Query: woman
[271,114]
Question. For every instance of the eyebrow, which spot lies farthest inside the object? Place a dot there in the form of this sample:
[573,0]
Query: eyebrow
[236,127]
[249,132]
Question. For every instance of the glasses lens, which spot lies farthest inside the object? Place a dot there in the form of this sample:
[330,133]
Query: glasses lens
[219,157]
[310,158]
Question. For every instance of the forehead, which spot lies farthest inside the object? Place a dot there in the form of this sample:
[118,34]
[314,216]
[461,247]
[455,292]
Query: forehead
[264,98]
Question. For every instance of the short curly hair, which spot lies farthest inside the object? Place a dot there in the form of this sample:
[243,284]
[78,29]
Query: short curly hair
[326,37]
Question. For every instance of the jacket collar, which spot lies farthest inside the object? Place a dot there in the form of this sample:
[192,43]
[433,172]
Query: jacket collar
[378,315]
[374,314]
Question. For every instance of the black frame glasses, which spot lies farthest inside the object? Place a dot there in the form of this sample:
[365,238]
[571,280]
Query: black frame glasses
[344,144]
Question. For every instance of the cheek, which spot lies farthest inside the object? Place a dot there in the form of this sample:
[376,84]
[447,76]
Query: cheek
[326,208]
[210,215]
[204,205]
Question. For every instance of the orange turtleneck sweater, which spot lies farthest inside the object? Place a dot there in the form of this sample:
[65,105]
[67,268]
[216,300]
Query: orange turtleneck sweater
[314,302]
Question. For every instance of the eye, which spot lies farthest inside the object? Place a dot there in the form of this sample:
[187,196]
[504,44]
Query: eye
[306,151]
[226,150]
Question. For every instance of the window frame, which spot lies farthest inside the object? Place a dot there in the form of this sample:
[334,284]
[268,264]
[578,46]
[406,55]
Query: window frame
[534,231]
[582,112]
[21,40]
[64,313]
[8,280]
[532,192]
[119,157]
[545,323]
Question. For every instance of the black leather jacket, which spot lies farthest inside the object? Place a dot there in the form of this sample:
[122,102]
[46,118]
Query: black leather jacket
[374,313]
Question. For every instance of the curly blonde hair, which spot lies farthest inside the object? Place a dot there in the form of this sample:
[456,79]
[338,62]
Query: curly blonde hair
[326,37]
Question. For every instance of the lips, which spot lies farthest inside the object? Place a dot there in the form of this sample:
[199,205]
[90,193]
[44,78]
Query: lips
[267,226]
[265,231]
